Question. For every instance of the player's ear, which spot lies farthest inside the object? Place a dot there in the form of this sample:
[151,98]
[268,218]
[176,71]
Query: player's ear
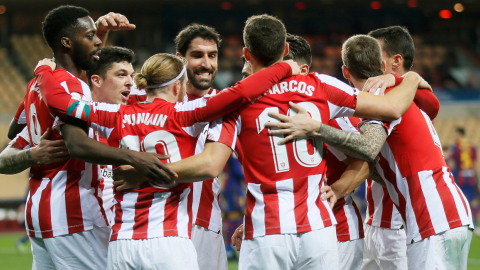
[246,53]
[179,54]
[66,42]
[176,88]
[96,80]
[397,61]
[304,69]
[287,49]
[345,72]
[384,65]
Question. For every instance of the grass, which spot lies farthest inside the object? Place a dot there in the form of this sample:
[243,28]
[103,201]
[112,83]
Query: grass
[10,259]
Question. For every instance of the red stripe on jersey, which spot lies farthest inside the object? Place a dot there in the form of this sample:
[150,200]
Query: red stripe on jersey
[392,178]
[248,216]
[118,216]
[359,220]
[73,205]
[272,214]
[447,199]
[171,211]
[460,192]
[420,208]
[142,209]
[371,206]
[343,230]
[300,191]
[387,209]
[190,212]
[44,212]
[205,205]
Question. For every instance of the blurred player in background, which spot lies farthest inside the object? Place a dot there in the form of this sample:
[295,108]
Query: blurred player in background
[198,45]
[463,162]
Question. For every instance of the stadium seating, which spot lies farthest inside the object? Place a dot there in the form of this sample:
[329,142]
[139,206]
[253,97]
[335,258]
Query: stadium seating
[13,86]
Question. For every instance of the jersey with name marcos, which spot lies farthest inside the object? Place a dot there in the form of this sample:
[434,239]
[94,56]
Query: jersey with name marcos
[206,209]
[62,200]
[349,220]
[158,127]
[418,179]
[284,181]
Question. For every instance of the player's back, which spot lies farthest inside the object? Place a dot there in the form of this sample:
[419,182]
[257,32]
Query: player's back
[284,181]
[150,210]
[60,201]
[423,187]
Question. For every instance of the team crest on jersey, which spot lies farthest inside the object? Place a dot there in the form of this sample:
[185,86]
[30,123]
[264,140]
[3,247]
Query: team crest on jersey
[79,109]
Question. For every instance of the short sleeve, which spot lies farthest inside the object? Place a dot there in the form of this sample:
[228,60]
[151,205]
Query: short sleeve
[22,140]
[223,130]
[20,116]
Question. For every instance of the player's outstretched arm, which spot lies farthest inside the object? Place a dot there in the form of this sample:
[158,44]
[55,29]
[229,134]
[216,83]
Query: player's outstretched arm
[13,160]
[392,105]
[243,92]
[81,147]
[363,146]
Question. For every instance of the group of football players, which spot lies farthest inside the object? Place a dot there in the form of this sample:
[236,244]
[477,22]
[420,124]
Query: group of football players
[305,140]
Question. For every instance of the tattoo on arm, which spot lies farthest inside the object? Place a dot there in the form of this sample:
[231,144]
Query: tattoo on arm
[364,146]
[375,176]
[14,161]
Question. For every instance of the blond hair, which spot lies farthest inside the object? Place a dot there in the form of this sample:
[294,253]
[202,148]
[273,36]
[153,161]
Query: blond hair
[158,69]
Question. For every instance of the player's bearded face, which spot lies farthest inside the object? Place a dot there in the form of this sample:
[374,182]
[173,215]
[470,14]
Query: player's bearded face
[201,78]
[84,59]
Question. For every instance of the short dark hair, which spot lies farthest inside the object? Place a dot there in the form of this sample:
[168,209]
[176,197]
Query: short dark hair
[362,56]
[299,51]
[60,22]
[185,37]
[265,38]
[461,131]
[397,40]
[108,56]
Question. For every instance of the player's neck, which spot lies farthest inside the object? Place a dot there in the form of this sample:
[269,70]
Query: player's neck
[358,83]
[161,95]
[65,61]
[400,72]
[191,90]
[256,66]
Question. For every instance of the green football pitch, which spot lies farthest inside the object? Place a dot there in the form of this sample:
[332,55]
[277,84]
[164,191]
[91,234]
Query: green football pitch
[11,259]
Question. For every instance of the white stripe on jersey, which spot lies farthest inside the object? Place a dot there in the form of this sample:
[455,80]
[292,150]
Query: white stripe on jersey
[156,215]
[464,216]
[258,212]
[128,215]
[35,207]
[182,218]
[352,219]
[286,205]
[313,213]
[434,202]
[58,206]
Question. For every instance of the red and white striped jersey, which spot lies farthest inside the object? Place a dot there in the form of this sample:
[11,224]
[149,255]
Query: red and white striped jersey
[159,127]
[284,181]
[136,95]
[20,116]
[349,221]
[62,198]
[206,210]
[381,211]
[418,179]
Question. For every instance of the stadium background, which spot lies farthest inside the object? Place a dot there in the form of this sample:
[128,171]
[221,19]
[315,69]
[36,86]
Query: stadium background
[446,36]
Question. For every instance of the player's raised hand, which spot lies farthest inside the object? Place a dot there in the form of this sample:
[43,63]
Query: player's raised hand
[295,68]
[329,195]
[237,237]
[299,125]
[150,166]
[46,62]
[382,82]
[113,21]
[422,84]
[49,151]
